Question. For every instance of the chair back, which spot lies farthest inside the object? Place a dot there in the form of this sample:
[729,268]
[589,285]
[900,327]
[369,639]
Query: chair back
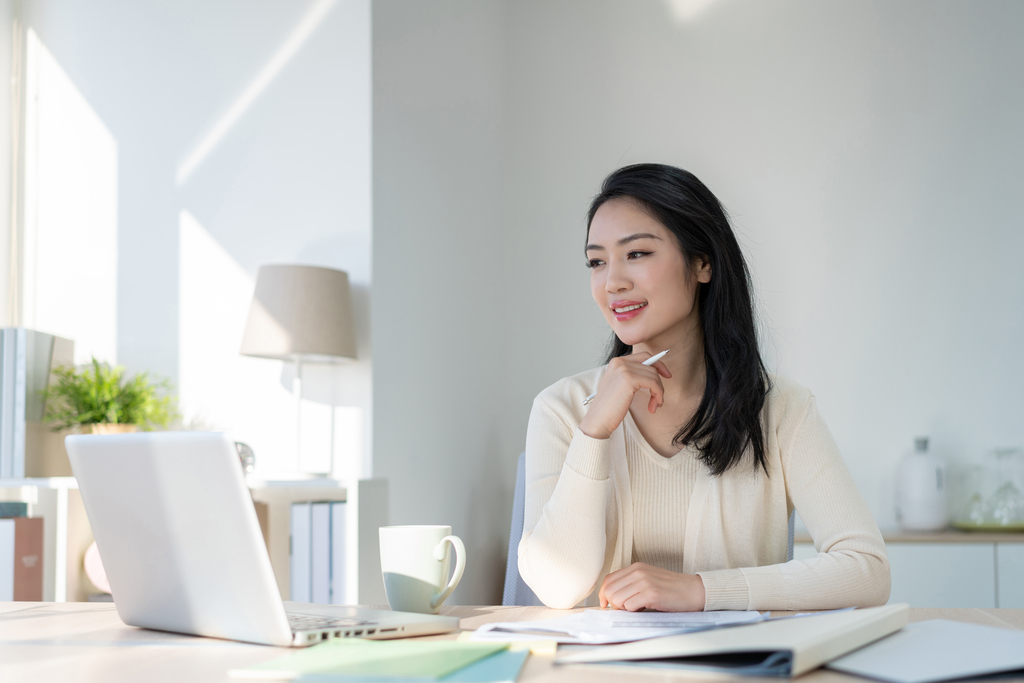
[516,590]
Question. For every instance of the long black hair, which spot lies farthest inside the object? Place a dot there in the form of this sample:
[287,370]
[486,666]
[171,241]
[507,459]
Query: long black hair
[736,382]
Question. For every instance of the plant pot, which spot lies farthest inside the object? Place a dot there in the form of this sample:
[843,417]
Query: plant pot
[107,428]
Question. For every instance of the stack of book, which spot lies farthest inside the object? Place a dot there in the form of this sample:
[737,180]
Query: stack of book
[317,563]
[26,359]
[21,554]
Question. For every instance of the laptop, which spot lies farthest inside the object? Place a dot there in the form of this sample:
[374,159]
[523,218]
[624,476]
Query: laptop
[182,547]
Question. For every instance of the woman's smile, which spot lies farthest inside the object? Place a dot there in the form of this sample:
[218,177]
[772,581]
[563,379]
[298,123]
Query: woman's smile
[624,310]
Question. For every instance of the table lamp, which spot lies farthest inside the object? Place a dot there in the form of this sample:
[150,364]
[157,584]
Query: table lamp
[301,314]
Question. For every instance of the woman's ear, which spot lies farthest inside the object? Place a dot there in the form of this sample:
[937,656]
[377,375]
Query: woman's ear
[702,265]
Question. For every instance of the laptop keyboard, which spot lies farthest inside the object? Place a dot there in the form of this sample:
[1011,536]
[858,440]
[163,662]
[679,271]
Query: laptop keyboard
[307,622]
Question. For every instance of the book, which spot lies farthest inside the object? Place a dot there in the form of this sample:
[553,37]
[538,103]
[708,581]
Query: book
[320,553]
[501,667]
[7,349]
[21,559]
[27,358]
[299,547]
[777,647]
[13,509]
[359,659]
[338,540]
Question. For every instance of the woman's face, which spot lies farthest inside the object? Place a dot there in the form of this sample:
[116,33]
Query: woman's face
[638,275]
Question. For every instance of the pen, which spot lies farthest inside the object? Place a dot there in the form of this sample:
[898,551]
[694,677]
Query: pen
[650,361]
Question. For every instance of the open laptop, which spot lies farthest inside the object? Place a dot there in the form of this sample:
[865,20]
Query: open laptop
[182,548]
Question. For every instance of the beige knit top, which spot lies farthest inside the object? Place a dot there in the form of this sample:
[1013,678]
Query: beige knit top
[585,517]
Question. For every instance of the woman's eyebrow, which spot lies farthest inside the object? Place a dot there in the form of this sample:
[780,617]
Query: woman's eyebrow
[625,240]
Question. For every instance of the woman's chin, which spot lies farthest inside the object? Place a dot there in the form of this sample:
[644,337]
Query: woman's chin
[631,339]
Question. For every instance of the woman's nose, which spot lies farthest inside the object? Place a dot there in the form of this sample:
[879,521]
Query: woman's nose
[617,280]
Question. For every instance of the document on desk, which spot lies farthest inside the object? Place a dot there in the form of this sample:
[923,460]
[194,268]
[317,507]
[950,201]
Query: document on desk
[602,627]
[937,650]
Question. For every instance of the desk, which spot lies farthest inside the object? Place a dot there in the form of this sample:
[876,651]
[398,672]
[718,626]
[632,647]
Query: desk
[86,642]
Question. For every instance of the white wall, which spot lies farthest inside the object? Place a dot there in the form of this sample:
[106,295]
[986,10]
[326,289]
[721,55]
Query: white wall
[285,181]
[437,329]
[869,154]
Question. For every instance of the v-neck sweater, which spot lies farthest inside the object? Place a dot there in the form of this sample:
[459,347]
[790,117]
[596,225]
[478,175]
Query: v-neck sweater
[581,520]
[661,488]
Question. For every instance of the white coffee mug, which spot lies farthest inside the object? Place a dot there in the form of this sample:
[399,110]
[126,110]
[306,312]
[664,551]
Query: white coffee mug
[414,561]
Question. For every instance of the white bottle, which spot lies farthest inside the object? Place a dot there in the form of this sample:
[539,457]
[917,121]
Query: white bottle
[921,498]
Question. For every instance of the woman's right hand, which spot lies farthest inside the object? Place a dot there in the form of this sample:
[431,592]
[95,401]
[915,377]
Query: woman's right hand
[625,376]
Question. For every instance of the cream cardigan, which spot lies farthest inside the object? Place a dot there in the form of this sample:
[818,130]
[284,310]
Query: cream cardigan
[578,522]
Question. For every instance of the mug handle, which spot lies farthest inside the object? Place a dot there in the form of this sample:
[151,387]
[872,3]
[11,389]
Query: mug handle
[460,566]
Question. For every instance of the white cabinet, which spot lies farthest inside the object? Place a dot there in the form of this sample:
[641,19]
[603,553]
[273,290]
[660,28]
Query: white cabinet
[950,569]
[1010,574]
[943,574]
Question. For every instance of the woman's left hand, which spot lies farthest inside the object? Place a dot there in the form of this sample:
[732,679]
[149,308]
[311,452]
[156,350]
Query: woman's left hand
[641,586]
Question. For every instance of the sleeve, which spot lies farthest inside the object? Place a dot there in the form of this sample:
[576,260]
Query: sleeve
[851,568]
[562,551]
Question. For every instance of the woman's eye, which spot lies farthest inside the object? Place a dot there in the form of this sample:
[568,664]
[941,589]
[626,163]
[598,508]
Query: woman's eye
[637,254]
[594,263]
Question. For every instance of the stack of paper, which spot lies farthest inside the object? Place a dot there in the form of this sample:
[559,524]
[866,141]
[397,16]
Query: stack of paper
[599,627]
[393,661]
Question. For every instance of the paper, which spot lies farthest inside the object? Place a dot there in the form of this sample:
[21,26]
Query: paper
[365,658]
[937,650]
[600,627]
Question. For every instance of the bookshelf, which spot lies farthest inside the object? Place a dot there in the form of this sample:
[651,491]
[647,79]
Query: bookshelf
[66,532]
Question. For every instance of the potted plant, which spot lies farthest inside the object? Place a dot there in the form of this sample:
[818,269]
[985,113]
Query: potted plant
[97,399]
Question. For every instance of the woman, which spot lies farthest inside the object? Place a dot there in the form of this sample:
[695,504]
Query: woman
[672,488]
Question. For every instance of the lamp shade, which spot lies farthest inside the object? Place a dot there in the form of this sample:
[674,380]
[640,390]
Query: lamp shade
[300,313]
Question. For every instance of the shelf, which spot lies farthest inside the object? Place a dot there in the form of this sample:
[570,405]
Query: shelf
[67,535]
[942,536]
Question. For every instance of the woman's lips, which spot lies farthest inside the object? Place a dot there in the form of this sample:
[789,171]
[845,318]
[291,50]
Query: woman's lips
[626,310]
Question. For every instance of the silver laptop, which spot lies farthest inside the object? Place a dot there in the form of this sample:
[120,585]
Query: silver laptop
[182,548]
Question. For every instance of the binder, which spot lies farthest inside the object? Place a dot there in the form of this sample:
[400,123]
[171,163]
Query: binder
[338,536]
[320,554]
[778,647]
[299,566]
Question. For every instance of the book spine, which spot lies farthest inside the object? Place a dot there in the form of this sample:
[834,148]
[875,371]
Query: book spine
[20,399]
[6,560]
[320,554]
[6,401]
[28,559]
[338,540]
[299,574]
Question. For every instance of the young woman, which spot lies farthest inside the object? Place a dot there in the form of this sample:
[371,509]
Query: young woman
[672,488]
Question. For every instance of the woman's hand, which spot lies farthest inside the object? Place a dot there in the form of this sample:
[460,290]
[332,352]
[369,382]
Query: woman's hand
[641,586]
[625,376]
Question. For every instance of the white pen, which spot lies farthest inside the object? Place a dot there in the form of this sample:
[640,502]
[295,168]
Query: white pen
[650,361]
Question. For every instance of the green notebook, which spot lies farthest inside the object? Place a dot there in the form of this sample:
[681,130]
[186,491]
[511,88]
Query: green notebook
[373,659]
[501,667]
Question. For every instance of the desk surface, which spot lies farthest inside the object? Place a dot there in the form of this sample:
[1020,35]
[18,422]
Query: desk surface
[84,642]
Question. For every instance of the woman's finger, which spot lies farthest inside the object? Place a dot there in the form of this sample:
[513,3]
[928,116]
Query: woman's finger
[662,369]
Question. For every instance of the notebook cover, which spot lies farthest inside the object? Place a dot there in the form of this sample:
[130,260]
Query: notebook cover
[937,650]
[810,641]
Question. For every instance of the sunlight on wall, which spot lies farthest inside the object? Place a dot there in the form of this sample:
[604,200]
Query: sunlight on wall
[221,389]
[70,266]
[687,10]
[307,25]
[218,388]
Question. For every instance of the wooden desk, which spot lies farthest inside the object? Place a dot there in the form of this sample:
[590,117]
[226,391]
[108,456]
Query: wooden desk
[86,642]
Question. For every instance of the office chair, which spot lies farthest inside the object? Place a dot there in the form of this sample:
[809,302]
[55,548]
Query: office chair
[516,590]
